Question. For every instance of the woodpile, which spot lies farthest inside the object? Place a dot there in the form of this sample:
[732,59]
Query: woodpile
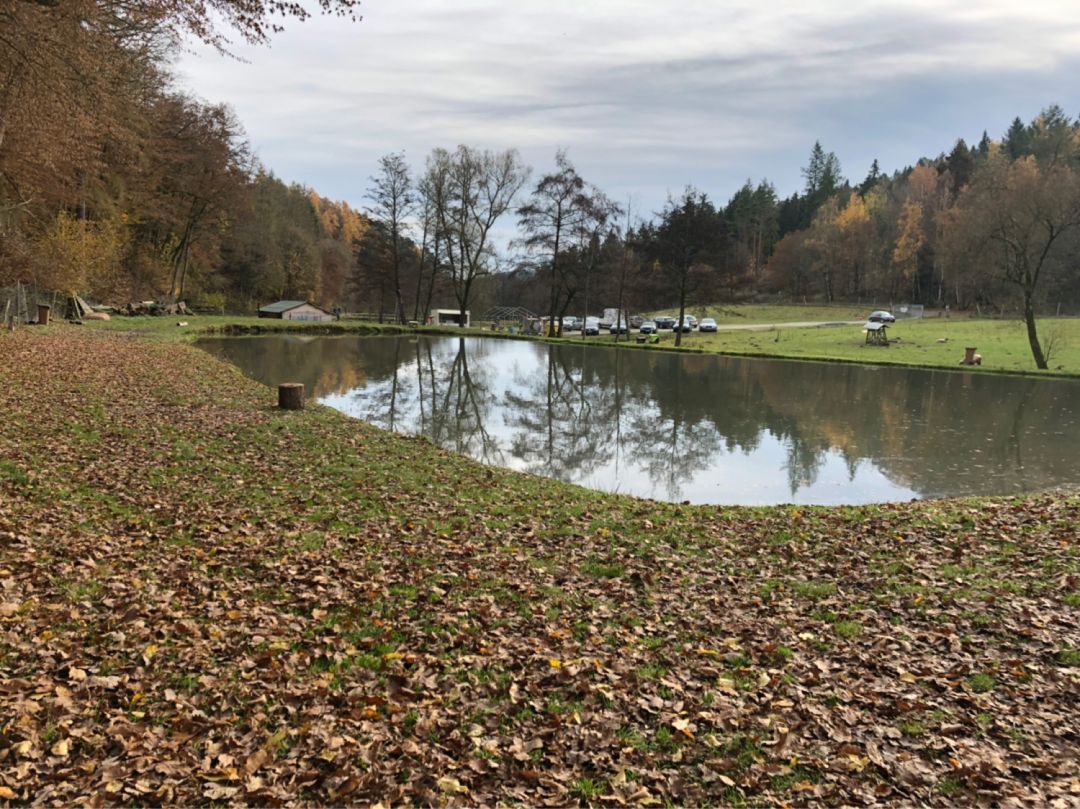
[156,308]
[77,309]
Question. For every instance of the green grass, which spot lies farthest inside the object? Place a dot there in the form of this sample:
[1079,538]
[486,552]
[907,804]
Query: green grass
[950,785]
[198,325]
[586,789]
[847,629]
[912,729]
[10,471]
[981,683]
[796,775]
[602,570]
[1003,344]
[1069,657]
[814,590]
[752,314]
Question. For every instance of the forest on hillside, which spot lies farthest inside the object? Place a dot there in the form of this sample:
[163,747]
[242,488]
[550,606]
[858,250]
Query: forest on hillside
[118,185]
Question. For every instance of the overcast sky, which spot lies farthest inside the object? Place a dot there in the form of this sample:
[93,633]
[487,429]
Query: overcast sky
[646,97]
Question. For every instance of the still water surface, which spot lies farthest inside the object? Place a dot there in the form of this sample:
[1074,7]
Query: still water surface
[702,428]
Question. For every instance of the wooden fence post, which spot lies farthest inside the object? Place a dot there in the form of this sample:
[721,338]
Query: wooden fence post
[43,314]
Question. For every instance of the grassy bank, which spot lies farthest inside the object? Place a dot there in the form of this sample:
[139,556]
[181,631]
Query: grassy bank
[935,342]
[191,327]
[205,600]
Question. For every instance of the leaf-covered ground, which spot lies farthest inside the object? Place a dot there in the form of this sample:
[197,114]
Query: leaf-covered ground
[204,600]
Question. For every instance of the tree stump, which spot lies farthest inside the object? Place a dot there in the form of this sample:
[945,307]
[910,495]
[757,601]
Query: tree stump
[43,314]
[290,396]
[970,357]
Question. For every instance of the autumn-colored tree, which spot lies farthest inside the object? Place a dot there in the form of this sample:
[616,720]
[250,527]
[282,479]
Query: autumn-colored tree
[342,229]
[89,129]
[855,232]
[905,255]
[823,243]
[788,267]
[75,255]
[64,85]
[1020,220]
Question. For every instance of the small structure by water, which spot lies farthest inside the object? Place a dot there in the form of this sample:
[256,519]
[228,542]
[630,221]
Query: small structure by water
[295,310]
[448,317]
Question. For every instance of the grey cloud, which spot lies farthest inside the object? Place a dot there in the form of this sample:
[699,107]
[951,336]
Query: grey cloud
[892,81]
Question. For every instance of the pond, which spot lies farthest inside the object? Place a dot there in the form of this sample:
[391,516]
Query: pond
[698,428]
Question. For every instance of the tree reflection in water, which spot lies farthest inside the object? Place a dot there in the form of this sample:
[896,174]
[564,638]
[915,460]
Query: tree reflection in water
[554,418]
[440,398]
[698,427]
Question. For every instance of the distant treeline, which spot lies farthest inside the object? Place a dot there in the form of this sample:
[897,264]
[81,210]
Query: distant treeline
[116,185]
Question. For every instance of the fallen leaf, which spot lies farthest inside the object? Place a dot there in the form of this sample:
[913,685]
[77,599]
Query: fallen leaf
[256,760]
[452,785]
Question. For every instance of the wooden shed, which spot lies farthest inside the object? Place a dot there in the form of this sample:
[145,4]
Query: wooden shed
[295,310]
[448,317]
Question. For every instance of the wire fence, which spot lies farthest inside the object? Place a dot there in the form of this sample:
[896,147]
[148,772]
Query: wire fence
[907,311]
[19,304]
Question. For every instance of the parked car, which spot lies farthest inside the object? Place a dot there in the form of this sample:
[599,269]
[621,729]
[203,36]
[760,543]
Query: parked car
[592,325]
[648,327]
[687,324]
[621,328]
[571,323]
[608,318]
[636,321]
[707,324]
[881,316]
[665,322]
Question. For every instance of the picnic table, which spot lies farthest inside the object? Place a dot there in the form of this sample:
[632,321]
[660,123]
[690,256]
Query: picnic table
[875,334]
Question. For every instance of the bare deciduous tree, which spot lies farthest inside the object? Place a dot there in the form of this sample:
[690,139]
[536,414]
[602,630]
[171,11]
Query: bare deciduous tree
[558,205]
[394,200]
[480,187]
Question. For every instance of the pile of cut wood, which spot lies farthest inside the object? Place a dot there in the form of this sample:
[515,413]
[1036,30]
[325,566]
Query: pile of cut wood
[78,309]
[156,308]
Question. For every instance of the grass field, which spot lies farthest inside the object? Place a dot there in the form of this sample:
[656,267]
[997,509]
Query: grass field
[932,341]
[746,314]
[1003,344]
[204,600]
